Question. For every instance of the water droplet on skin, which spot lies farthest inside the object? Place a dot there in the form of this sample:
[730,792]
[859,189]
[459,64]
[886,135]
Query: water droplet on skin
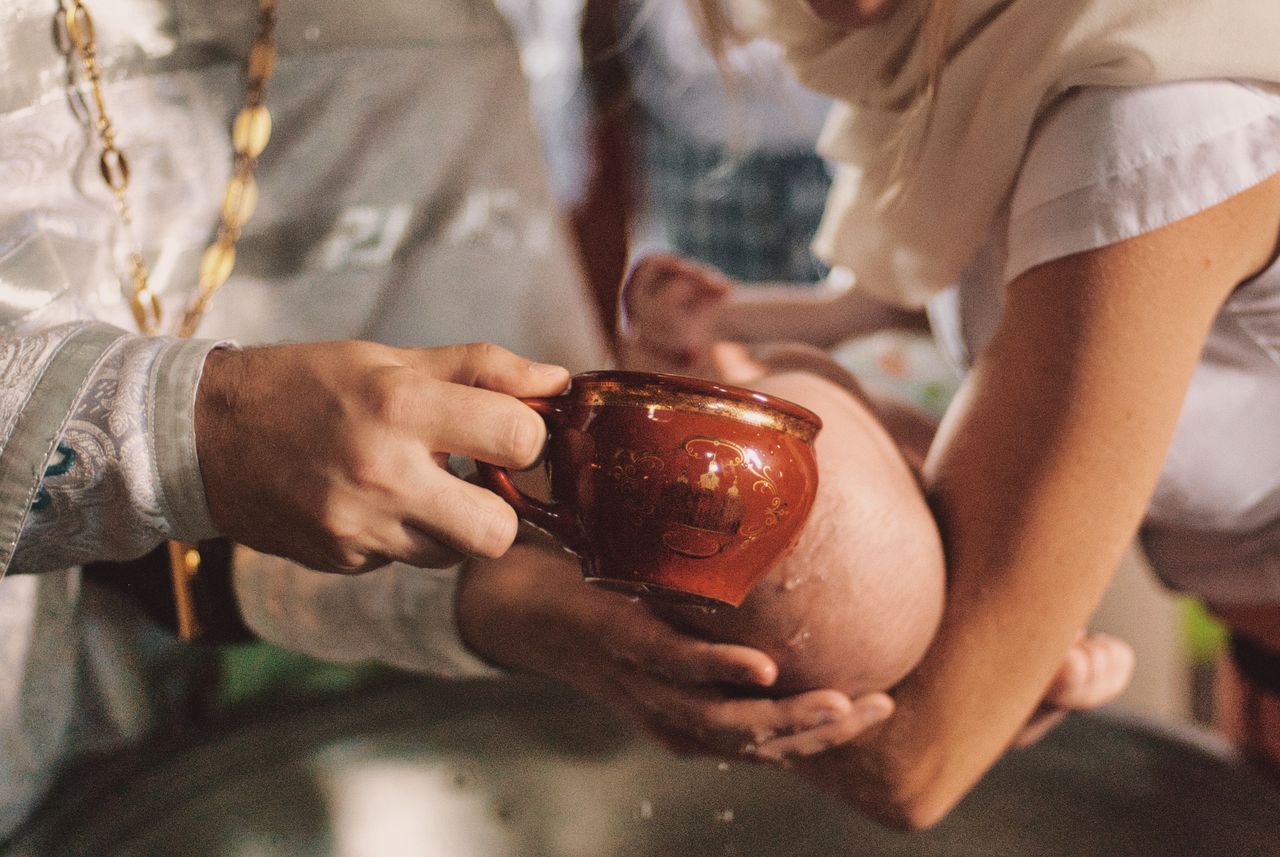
[722,767]
[792,582]
[645,811]
[724,816]
[799,640]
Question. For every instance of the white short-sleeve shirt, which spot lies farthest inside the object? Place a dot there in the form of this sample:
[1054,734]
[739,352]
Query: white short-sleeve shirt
[1108,164]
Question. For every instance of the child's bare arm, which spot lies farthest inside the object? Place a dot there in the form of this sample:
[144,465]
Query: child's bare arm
[675,308]
[823,316]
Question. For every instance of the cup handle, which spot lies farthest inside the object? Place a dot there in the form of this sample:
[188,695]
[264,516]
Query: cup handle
[552,517]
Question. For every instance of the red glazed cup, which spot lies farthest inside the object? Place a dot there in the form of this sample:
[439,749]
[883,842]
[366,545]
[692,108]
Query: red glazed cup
[671,486]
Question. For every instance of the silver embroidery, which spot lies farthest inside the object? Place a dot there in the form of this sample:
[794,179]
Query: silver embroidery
[106,505]
[22,359]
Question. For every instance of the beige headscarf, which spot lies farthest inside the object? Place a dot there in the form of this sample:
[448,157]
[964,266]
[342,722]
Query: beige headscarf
[1008,61]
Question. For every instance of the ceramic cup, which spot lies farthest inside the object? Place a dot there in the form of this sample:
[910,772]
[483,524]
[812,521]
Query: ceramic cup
[671,486]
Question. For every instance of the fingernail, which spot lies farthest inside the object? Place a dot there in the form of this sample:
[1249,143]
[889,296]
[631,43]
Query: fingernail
[754,675]
[873,714]
[547,369]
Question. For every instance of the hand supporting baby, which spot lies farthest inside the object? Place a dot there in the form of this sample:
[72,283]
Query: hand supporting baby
[531,611]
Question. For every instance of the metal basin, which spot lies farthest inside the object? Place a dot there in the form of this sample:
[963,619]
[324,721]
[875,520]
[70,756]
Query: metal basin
[430,769]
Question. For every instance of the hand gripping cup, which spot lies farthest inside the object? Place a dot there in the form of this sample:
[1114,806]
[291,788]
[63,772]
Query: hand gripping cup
[670,486]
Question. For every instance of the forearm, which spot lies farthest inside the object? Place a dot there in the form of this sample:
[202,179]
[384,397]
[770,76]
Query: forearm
[1021,583]
[1039,477]
[513,611]
[399,615]
[1004,632]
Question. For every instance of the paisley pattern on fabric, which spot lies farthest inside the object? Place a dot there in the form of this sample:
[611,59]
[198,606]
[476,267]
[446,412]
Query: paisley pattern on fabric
[107,506]
[65,461]
[22,360]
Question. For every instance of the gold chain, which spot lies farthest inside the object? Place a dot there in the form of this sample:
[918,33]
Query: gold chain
[249,135]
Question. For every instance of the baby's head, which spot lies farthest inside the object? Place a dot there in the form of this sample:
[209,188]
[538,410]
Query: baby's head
[857,601]
[855,604]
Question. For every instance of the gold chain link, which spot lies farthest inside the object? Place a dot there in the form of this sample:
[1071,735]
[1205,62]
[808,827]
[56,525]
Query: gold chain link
[249,136]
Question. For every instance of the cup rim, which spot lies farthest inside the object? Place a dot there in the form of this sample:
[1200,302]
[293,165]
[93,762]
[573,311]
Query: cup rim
[698,386]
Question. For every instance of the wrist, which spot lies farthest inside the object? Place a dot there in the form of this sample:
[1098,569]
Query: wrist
[486,608]
[519,613]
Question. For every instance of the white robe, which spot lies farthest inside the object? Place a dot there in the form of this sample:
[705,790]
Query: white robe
[402,200]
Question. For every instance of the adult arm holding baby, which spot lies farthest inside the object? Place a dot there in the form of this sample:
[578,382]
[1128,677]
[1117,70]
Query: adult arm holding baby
[1038,479]
[1040,475]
